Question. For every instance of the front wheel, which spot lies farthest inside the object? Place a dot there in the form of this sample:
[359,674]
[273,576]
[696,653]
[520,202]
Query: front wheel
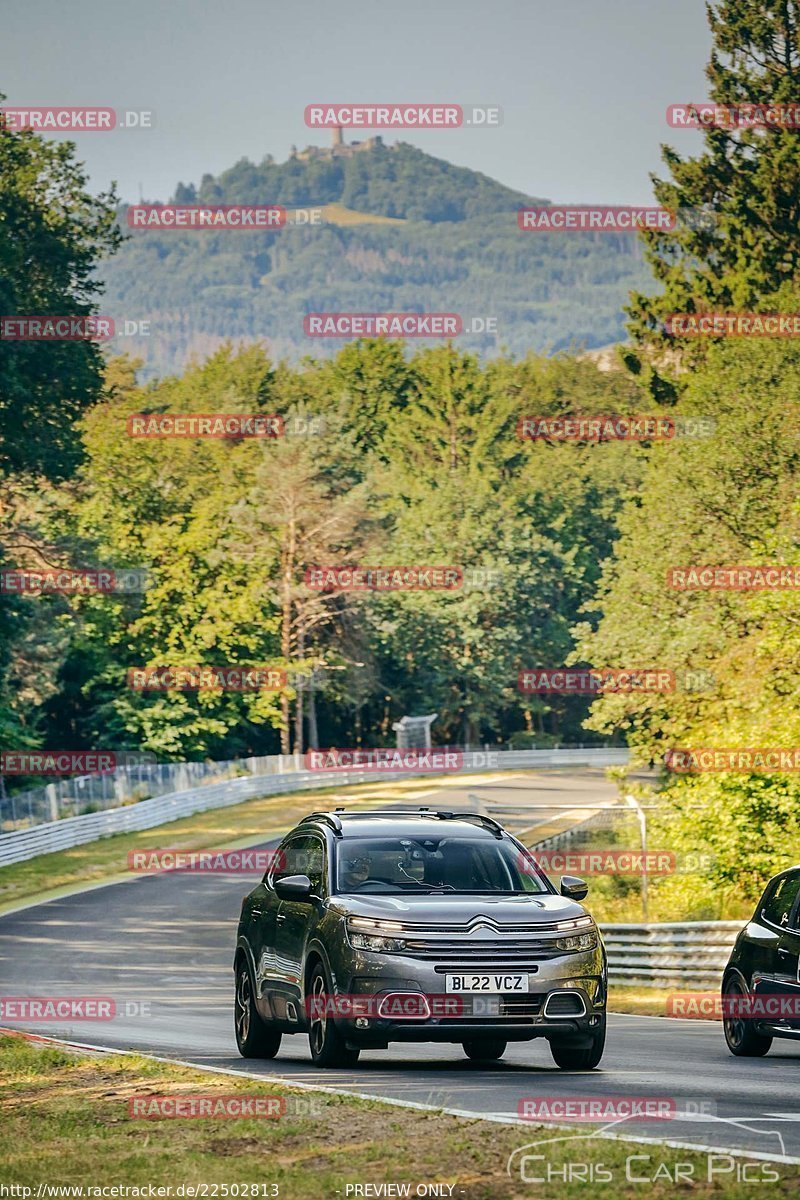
[254,1037]
[570,1057]
[485,1049]
[742,1039]
[328,1047]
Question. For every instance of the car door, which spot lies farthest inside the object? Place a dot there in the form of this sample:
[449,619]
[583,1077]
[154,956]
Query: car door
[777,978]
[787,973]
[304,855]
[262,931]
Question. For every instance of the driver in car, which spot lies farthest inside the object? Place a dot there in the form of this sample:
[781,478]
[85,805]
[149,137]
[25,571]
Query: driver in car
[356,871]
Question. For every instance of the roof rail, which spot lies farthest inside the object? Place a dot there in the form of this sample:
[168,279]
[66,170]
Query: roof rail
[329,818]
[425,811]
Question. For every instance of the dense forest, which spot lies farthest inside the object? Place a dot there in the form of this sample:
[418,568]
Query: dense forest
[432,237]
[392,456]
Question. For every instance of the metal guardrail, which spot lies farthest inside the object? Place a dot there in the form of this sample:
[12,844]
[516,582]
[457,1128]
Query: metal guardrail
[140,777]
[603,819]
[682,954]
[78,794]
[22,844]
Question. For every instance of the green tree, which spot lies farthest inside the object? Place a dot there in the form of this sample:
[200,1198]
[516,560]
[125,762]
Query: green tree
[53,234]
[746,179]
[729,499]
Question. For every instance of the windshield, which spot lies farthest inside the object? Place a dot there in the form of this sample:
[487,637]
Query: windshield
[428,864]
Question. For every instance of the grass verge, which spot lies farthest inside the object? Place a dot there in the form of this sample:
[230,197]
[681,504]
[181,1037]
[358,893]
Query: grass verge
[66,1121]
[643,1002]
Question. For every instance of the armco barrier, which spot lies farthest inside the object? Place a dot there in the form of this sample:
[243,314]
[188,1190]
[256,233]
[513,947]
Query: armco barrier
[686,954]
[22,844]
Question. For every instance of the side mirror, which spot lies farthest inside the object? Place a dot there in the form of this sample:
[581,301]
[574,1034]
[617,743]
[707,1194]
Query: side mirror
[293,887]
[573,887]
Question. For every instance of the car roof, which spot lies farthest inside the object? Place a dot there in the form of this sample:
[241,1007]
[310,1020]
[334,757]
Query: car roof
[785,871]
[399,822]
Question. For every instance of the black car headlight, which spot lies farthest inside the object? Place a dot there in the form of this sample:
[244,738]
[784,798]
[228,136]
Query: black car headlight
[578,941]
[377,936]
[372,941]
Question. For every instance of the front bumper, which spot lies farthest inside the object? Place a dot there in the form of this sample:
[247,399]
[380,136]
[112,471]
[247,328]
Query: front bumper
[566,999]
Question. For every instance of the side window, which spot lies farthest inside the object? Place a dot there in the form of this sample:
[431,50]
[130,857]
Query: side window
[302,855]
[275,869]
[779,902]
[315,864]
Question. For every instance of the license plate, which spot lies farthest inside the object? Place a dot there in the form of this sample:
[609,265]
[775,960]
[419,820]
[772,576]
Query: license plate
[493,984]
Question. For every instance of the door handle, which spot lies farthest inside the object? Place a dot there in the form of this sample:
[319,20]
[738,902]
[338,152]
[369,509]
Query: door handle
[784,953]
[255,912]
[280,918]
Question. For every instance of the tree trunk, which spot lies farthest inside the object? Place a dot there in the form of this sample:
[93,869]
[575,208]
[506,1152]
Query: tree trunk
[313,733]
[288,555]
[301,686]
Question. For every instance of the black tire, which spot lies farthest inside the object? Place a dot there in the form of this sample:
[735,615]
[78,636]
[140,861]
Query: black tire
[254,1037]
[328,1047]
[570,1057]
[485,1049]
[740,1034]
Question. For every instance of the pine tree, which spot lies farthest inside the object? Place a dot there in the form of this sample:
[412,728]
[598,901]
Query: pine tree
[747,179]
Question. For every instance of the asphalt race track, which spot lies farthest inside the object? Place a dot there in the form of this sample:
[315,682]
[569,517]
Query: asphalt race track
[162,947]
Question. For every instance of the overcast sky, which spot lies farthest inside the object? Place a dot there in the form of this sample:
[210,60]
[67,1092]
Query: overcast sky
[583,84]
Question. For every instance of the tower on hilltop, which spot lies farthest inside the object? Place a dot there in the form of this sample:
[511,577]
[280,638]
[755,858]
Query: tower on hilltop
[336,134]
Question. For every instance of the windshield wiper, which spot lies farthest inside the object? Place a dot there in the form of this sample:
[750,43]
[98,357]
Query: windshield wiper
[435,887]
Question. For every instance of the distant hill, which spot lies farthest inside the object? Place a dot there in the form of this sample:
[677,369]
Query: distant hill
[403,231]
[390,181]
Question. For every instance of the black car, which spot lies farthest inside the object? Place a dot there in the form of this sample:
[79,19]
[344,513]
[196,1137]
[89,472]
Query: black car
[416,925]
[761,983]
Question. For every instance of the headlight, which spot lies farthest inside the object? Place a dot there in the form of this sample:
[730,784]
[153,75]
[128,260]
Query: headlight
[580,941]
[364,934]
[577,923]
[372,941]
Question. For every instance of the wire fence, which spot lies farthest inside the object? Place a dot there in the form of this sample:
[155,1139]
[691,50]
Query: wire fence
[137,781]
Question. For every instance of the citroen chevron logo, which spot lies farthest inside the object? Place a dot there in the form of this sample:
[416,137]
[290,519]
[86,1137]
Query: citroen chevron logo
[479,924]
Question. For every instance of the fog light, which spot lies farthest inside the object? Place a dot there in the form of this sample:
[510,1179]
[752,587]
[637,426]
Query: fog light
[362,1023]
[404,1005]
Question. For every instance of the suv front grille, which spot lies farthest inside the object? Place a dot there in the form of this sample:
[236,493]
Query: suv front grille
[514,1008]
[510,951]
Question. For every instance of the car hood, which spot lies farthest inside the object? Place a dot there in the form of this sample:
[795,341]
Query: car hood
[452,909]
